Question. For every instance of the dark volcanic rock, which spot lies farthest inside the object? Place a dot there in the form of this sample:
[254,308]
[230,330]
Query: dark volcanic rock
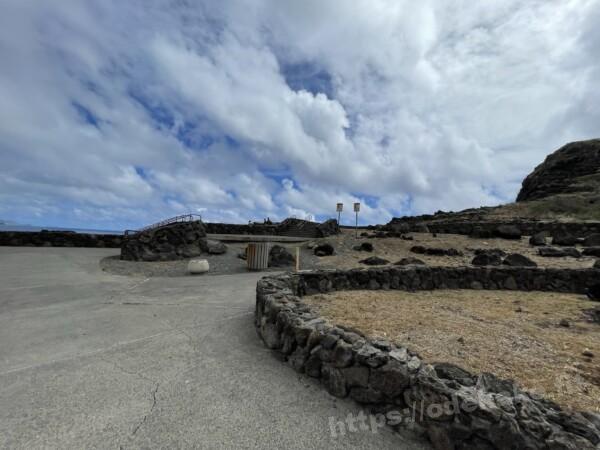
[593,292]
[487,259]
[364,247]
[280,257]
[592,240]
[564,239]
[591,251]
[328,228]
[490,251]
[597,264]
[179,240]
[558,173]
[553,252]
[409,262]
[216,247]
[509,232]
[325,249]
[479,232]
[421,228]
[517,260]
[420,250]
[374,261]
[538,239]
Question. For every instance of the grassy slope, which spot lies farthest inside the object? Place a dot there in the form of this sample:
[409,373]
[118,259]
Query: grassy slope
[582,205]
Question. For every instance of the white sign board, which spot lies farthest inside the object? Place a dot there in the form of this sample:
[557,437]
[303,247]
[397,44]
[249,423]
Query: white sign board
[340,207]
[356,207]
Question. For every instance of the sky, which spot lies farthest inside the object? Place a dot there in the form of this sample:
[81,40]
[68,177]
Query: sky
[115,114]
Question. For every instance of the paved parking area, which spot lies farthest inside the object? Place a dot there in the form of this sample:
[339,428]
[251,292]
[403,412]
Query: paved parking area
[92,360]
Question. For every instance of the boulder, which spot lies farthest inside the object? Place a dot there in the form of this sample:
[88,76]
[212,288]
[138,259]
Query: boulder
[597,264]
[538,239]
[374,261]
[593,292]
[517,260]
[490,251]
[421,250]
[324,249]
[487,259]
[197,266]
[564,240]
[418,249]
[216,247]
[280,257]
[592,240]
[591,251]
[409,262]
[364,247]
[553,252]
[509,232]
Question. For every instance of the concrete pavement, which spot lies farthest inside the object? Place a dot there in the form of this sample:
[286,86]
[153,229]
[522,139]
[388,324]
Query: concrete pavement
[91,360]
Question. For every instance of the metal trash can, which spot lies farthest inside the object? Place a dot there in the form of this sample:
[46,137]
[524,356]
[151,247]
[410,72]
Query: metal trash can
[257,256]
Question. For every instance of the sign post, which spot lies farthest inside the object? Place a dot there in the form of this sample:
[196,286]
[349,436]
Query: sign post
[356,210]
[339,209]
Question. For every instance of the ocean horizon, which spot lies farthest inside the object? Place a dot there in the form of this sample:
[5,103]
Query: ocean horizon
[33,228]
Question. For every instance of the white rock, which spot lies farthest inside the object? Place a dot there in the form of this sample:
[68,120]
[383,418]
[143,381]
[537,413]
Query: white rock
[198,266]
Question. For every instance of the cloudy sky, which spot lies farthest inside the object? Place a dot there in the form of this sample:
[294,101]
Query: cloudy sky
[114,114]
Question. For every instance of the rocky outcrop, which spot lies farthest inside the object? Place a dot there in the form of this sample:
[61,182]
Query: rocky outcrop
[179,240]
[288,227]
[328,228]
[279,256]
[560,173]
[47,238]
[454,408]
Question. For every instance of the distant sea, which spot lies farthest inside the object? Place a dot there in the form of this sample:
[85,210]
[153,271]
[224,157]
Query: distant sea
[7,227]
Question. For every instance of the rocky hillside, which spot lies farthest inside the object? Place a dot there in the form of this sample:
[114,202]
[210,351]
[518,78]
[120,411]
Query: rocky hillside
[571,169]
[565,187]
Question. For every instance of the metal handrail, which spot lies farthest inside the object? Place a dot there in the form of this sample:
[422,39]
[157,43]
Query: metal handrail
[182,218]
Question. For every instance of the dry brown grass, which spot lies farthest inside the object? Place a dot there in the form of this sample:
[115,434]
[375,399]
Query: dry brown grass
[514,335]
[394,249]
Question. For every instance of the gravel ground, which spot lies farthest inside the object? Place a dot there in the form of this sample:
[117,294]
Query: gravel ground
[227,263]
[394,249]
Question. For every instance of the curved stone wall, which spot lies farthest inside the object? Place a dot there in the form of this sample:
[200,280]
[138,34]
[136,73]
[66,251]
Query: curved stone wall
[454,408]
[58,239]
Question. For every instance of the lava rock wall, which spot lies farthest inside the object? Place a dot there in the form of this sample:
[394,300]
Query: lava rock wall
[179,240]
[452,407]
[59,239]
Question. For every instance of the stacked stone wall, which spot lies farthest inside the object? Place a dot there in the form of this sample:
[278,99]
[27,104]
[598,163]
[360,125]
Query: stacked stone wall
[452,407]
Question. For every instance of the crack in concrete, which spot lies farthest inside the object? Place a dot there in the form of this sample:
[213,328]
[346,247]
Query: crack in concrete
[154,401]
[142,377]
